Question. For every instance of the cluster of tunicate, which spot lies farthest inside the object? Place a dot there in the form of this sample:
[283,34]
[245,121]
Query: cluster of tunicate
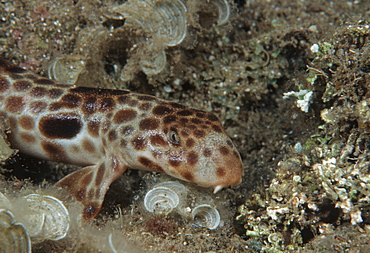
[163,18]
[32,218]
[164,24]
[165,197]
[147,29]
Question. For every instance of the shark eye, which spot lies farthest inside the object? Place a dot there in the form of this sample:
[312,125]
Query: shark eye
[173,137]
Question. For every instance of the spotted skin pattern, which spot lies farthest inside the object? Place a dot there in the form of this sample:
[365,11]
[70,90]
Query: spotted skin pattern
[108,131]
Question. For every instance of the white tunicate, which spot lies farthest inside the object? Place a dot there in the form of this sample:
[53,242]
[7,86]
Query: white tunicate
[223,11]
[315,48]
[206,216]
[173,185]
[110,243]
[5,150]
[4,202]
[298,148]
[168,88]
[47,217]
[165,18]
[153,62]
[66,69]
[13,236]
[304,98]
[161,200]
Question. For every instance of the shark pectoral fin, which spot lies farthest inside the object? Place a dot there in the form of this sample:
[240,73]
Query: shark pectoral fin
[89,186]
